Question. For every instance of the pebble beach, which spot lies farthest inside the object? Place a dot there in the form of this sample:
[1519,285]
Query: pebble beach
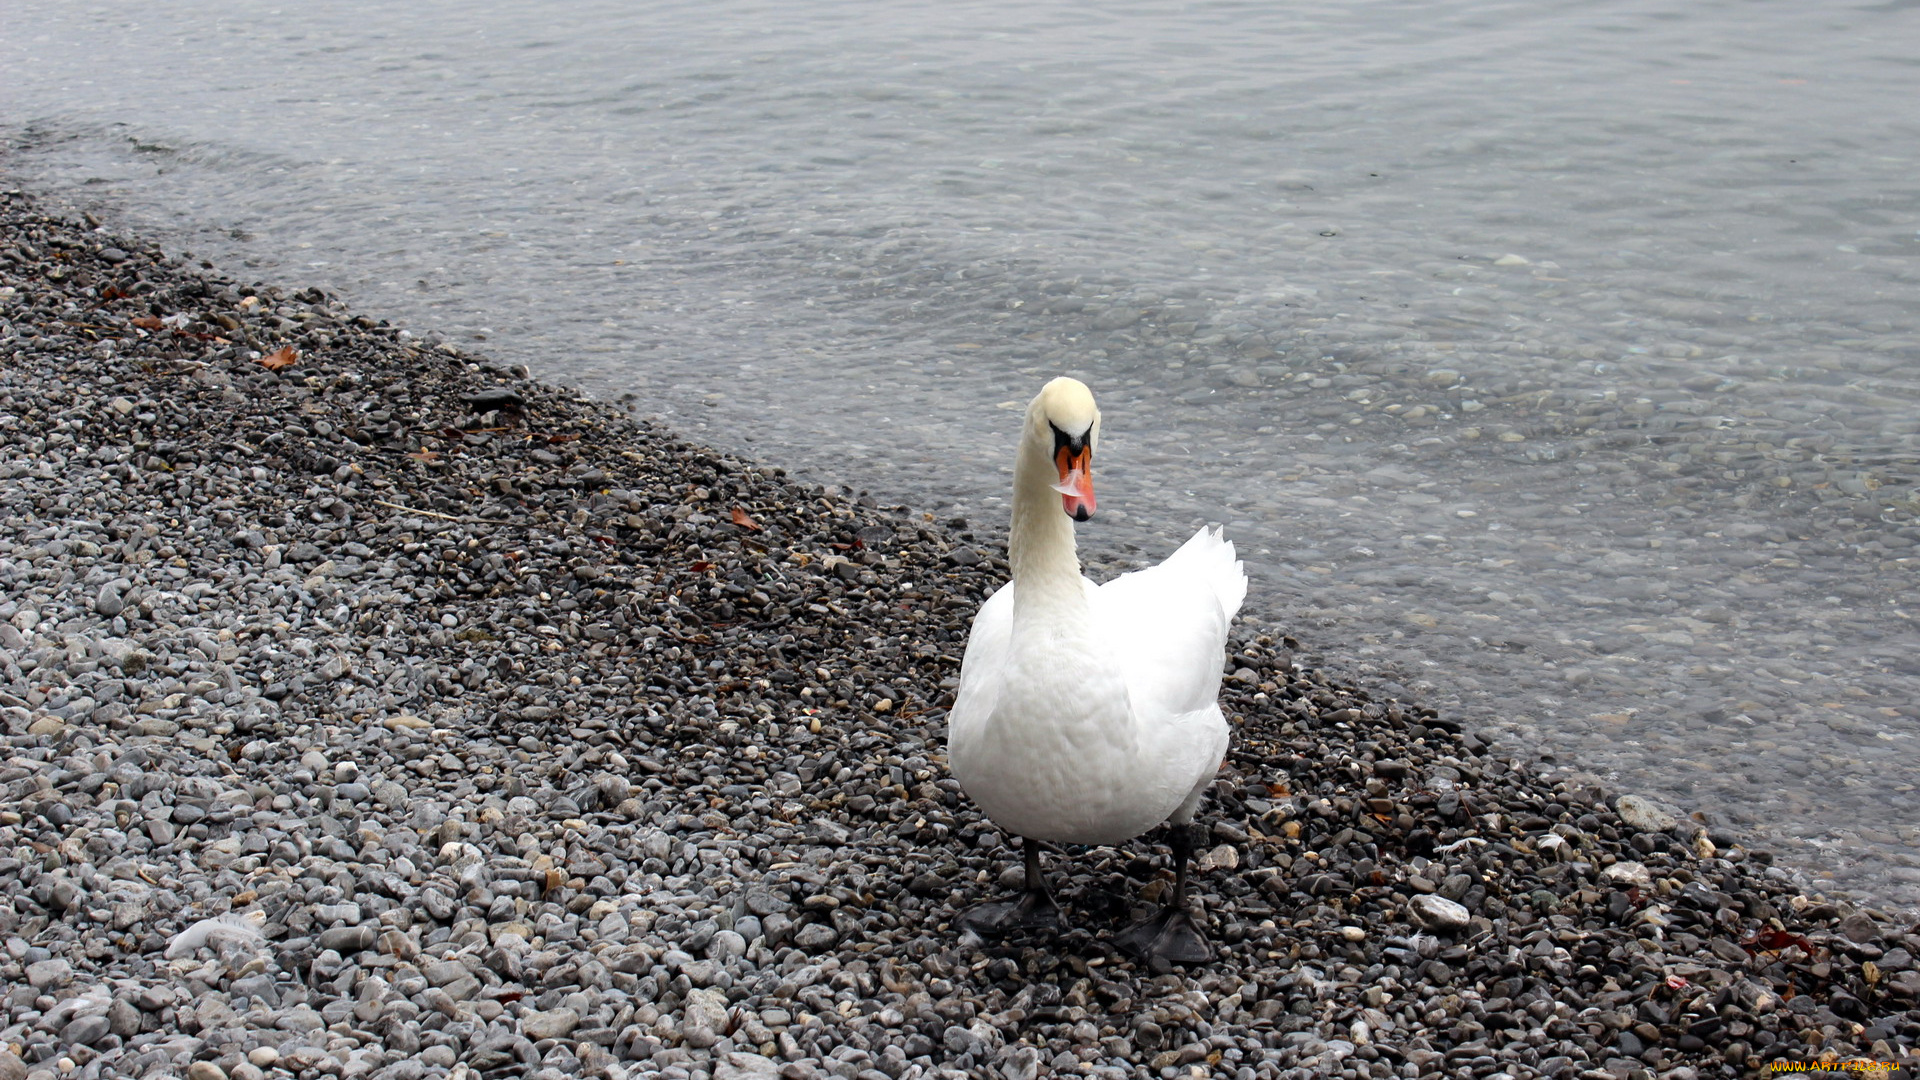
[371,709]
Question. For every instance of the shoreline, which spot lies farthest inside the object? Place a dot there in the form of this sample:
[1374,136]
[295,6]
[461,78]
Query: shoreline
[543,742]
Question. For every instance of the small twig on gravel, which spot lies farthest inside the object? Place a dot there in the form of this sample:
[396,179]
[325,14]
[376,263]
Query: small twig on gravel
[436,514]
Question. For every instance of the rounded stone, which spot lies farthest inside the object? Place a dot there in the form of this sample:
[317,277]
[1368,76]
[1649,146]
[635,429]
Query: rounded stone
[1438,913]
[1645,814]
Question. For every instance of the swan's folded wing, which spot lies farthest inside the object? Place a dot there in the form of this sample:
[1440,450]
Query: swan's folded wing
[1168,625]
[1191,746]
[982,668]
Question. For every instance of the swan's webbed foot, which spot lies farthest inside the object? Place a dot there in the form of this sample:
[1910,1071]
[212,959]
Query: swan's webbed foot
[1168,934]
[1031,909]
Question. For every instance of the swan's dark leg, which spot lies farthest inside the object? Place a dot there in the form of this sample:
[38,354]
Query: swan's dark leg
[1170,933]
[1031,909]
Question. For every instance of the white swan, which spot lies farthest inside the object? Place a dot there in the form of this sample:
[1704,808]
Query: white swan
[1088,713]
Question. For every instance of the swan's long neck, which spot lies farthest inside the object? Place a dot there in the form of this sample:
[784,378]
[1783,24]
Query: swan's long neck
[1040,548]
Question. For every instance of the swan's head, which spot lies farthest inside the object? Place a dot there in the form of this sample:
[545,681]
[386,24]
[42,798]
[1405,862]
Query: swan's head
[1064,418]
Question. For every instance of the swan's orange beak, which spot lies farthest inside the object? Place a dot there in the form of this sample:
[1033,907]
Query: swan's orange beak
[1076,481]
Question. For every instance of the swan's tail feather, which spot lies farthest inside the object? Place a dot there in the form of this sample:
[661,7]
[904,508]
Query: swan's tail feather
[1210,554]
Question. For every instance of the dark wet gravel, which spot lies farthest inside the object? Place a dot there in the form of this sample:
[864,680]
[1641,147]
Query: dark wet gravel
[538,742]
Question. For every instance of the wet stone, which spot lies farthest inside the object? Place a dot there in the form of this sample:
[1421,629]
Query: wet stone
[1645,814]
[1629,873]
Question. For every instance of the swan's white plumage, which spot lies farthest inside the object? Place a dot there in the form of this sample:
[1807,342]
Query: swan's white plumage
[1091,714]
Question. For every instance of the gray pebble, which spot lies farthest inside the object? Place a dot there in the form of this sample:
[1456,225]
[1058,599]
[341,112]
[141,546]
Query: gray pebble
[551,1024]
[49,974]
[108,602]
[1438,913]
[726,946]
[87,1030]
[349,939]
[815,936]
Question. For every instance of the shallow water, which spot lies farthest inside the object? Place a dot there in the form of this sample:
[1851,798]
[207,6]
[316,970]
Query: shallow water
[1556,362]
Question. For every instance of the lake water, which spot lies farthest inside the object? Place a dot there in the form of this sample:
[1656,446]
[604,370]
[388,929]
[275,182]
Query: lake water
[1552,361]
